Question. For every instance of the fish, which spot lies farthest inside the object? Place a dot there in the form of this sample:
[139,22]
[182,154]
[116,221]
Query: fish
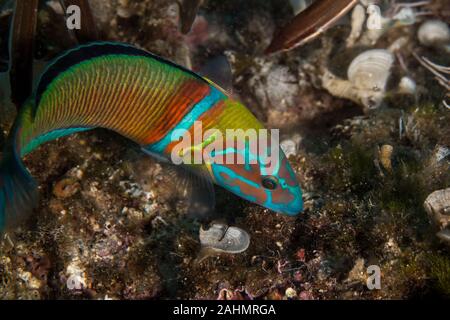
[144,98]
[309,23]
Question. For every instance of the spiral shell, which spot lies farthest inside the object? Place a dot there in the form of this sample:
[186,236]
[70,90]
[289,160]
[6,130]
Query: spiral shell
[437,206]
[223,238]
[371,69]
[367,76]
[433,33]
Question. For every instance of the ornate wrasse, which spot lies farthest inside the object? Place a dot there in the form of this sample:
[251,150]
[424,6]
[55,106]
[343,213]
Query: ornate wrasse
[146,99]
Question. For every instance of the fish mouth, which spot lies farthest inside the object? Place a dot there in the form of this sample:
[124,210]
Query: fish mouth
[294,208]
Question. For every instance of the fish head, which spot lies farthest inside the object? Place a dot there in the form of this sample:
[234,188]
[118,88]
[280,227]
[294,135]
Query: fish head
[262,176]
[243,157]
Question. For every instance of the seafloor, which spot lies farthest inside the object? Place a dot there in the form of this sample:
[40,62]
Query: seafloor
[108,225]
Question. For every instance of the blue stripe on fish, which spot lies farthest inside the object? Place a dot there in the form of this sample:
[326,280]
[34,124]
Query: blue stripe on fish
[201,107]
[49,136]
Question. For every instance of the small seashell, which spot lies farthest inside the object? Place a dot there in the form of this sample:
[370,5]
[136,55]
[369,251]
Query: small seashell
[290,293]
[75,282]
[437,206]
[290,146]
[385,155]
[369,73]
[367,78]
[407,86]
[66,188]
[222,238]
[371,69]
[433,33]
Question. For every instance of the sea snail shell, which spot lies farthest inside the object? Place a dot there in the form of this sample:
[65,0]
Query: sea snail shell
[367,77]
[371,69]
[437,206]
[223,238]
[433,33]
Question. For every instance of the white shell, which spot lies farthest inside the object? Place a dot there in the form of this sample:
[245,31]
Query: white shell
[437,206]
[291,145]
[358,19]
[223,238]
[433,33]
[371,69]
[367,76]
[407,85]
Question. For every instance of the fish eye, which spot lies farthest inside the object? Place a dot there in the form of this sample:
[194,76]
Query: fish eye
[270,182]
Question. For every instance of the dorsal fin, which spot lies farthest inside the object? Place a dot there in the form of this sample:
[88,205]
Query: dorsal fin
[90,51]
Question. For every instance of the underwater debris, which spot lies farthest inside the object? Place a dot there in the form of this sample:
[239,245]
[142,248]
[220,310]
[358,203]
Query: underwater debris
[282,86]
[385,156]
[31,281]
[124,9]
[374,18]
[439,73]
[367,77]
[310,23]
[379,23]
[237,294]
[434,33]
[223,238]
[66,188]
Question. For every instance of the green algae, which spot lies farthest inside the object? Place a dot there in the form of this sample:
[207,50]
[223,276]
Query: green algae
[440,272]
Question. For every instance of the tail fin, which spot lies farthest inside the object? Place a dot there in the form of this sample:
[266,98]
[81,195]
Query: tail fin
[18,190]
